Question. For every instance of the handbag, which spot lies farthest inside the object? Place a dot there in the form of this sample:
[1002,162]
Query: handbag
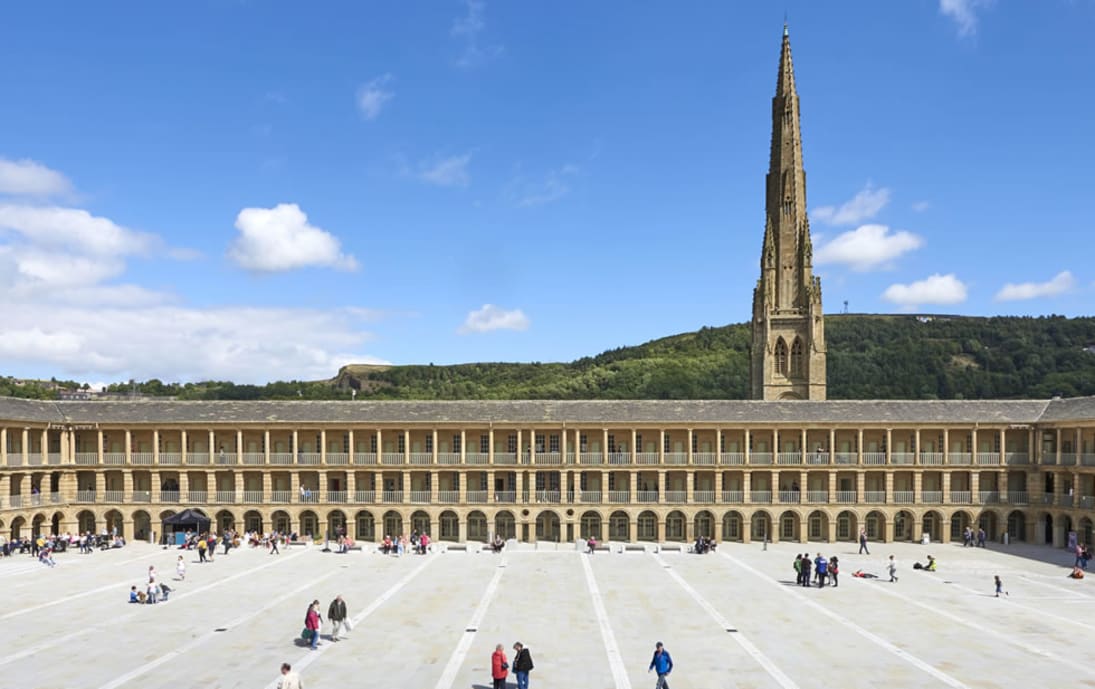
[306,634]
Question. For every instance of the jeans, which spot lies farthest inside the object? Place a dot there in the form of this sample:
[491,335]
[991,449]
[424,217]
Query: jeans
[663,682]
[315,638]
[522,679]
[337,625]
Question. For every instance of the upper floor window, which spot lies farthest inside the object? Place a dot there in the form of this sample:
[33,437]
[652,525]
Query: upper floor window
[781,357]
[797,366]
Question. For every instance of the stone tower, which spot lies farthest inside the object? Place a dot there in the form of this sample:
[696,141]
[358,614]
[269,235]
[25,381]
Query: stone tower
[788,349]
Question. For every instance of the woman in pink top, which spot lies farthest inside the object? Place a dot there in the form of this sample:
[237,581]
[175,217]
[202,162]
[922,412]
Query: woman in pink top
[312,622]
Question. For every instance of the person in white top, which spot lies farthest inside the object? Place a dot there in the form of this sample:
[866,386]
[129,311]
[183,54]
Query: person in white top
[180,569]
[289,679]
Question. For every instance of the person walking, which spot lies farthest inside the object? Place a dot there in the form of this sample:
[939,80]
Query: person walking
[999,586]
[274,544]
[180,569]
[798,568]
[522,664]
[863,541]
[662,664]
[289,679]
[499,667]
[312,622]
[336,613]
[201,549]
[892,568]
[834,569]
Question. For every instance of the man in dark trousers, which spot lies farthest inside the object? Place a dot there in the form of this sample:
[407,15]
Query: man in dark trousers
[863,542]
[336,613]
[662,664]
[806,566]
[522,664]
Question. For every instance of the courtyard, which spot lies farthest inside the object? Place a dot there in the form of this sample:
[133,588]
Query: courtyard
[730,619]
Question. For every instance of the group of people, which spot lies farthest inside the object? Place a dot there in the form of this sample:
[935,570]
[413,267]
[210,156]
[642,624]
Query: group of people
[154,591]
[971,538]
[313,621]
[500,667]
[206,543]
[823,569]
[1083,555]
[416,543]
[704,545]
[87,542]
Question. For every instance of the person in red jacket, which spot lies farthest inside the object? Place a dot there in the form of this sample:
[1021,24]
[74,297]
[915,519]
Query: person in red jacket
[313,622]
[499,667]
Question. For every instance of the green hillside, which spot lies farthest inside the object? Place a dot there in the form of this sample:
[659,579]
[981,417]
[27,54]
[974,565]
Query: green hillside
[870,357]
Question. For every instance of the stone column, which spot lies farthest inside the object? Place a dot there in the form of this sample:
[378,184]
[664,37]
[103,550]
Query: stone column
[946,487]
[212,447]
[889,446]
[1002,487]
[918,487]
[379,447]
[238,486]
[351,486]
[266,447]
[689,486]
[464,453]
[406,484]
[832,486]
[351,448]
[832,447]
[889,487]
[975,486]
[745,450]
[859,447]
[634,495]
[406,447]
[689,448]
[323,446]
[946,447]
[99,434]
[661,446]
[860,486]
[239,446]
[916,441]
[746,489]
[604,445]
[26,447]
[662,485]
[433,459]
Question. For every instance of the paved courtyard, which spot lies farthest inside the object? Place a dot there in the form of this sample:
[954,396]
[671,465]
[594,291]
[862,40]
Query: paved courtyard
[731,619]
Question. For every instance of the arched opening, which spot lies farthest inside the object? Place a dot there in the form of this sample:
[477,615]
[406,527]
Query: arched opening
[420,522]
[590,526]
[1017,526]
[731,526]
[647,526]
[55,523]
[788,526]
[988,521]
[547,527]
[309,524]
[336,524]
[1066,527]
[281,523]
[619,526]
[781,357]
[366,526]
[85,522]
[903,525]
[449,526]
[252,521]
[1047,528]
[505,525]
[115,526]
[674,526]
[847,526]
[393,524]
[478,529]
[933,526]
[761,526]
[142,525]
[703,525]
[960,521]
[797,365]
[224,521]
[817,526]
[36,525]
[20,523]
[1085,532]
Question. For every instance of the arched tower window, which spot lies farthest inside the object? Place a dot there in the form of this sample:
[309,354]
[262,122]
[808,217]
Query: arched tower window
[781,357]
[796,358]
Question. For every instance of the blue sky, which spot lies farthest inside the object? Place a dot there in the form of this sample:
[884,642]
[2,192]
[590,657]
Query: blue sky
[257,191]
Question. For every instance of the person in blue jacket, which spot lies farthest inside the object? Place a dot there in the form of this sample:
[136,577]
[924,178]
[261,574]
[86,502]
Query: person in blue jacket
[661,663]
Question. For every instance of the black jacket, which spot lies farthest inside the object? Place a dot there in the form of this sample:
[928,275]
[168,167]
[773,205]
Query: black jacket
[337,611]
[522,661]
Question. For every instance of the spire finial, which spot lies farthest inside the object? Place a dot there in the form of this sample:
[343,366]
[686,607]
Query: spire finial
[785,33]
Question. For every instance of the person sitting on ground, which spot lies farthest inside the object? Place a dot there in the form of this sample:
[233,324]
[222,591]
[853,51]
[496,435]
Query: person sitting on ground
[1076,573]
[498,543]
[133,596]
[386,544]
[165,591]
[929,567]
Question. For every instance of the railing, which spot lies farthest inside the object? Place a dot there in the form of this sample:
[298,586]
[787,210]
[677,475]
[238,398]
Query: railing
[847,458]
[959,458]
[548,496]
[477,497]
[816,458]
[793,457]
[552,458]
[619,458]
[114,496]
[448,458]
[591,458]
[197,496]
[961,497]
[56,498]
[81,496]
[254,496]
[590,496]
[251,458]
[169,496]
[817,495]
[337,496]
[704,496]
[505,496]
[760,458]
[505,457]
[1017,458]
[281,458]
[477,458]
[1048,498]
[392,495]
[704,458]
[988,497]
[845,497]
[365,496]
[676,496]
[1049,458]
[1018,497]
[449,497]
[170,459]
[225,458]
[676,458]
[875,496]
[903,458]
[734,496]
[648,496]
[931,458]
[82,458]
[338,459]
[308,458]
[198,458]
[308,496]
[226,496]
[1068,459]
[1087,459]
[647,458]
[931,497]
[281,496]
[365,458]
[1087,501]
[421,497]
[904,497]
[760,496]
[141,458]
[619,496]
[420,458]
[732,458]
[874,458]
[391,458]
[114,458]
[790,496]
[1066,501]
[988,458]
[17,500]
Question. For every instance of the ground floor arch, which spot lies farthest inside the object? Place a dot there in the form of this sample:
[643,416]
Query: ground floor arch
[393,524]
[732,526]
[817,526]
[19,525]
[703,525]
[789,525]
[38,525]
[505,525]
[932,525]
[990,522]
[309,524]
[85,521]
[619,526]
[547,526]
[1017,526]
[142,525]
[960,521]
[420,522]
[1085,531]
[224,520]
[589,526]
[336,524]
[252,521]
[365,526]
[448,526]
[478,527]
[761,526]
[646,526]
[280,522]
[115,523]
[675,526]
[847,526]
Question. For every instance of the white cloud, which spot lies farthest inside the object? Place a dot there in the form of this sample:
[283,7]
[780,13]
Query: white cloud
[935,289]
[868,247]
[373,96]
[963,13]
[554,186]
[921,206]
[863,206]
[491,317]
[280,238]
[448,172]
[1062,282]
[30,178]
[72,229]
[468,29]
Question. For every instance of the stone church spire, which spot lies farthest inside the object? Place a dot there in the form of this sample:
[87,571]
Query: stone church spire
[788,349]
